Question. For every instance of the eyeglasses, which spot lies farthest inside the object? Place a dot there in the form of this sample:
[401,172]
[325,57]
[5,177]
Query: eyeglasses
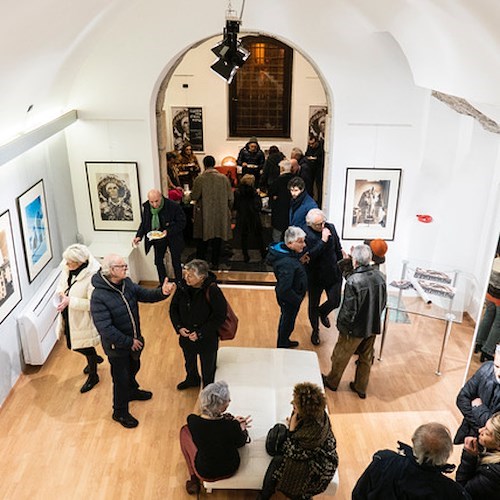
[122,266]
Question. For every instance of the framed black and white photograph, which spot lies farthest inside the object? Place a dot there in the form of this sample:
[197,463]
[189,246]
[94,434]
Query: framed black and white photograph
[187,127]
[114,195]
[317,121]
[371,203]
[10,291]
[35,229]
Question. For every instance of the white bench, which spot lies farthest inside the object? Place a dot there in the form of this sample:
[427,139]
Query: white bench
[261,384]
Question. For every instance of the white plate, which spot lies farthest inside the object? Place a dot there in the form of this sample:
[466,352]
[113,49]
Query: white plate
[155,235]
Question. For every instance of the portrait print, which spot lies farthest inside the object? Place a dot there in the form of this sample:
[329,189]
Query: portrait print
[187,127]
[114,195]
[317,122]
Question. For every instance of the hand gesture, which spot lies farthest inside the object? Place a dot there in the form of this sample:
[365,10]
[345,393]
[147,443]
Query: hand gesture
[305,259]
[245,422]
[193,336]
[137,345]
[325,234]
[470,446]
[136,241]
[184,332]
[64,302]
[167,288]
[476,402]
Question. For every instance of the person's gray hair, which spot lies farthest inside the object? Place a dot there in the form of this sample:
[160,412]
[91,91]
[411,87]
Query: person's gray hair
[76,253]
[214,397]
[313,214]
[432,444]
[293,233]
[108,262]
[199,267]
[296,153]
[362,254]
[285,166]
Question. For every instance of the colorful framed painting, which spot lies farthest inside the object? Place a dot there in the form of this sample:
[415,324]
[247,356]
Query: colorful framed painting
[10,291]
[35,229]
[114,195]
[371,203]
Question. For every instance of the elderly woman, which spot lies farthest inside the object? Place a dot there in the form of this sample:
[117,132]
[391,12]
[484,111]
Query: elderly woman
[210,441]
[479,469]
[307,460]
[75,323]
[197,311]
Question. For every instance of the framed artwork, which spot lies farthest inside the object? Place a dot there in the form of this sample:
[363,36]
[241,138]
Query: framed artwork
[317,121]
[114,195]
[35,229]
[187,126]
[10,291]
[371,203]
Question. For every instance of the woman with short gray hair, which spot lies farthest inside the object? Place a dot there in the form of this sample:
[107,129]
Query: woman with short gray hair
[210,441]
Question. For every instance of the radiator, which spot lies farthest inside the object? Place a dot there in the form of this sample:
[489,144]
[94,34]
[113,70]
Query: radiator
[37,322]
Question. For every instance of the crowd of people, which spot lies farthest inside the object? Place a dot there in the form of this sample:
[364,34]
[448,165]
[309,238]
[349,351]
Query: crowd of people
[99,304]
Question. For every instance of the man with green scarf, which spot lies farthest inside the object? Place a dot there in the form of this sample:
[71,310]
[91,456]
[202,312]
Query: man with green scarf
[167,217]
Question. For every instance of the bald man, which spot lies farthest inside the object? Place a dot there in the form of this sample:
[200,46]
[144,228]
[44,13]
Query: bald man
[167,217]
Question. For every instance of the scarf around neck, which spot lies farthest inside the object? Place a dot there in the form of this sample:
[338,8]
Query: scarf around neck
[155,218]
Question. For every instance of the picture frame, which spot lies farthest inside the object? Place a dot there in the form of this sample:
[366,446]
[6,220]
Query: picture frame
[187,126]
[114,195]
[33,217]
[10,290]
[317,122]
[371,203]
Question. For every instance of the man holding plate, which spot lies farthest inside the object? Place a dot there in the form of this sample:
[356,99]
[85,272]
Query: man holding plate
[163,222]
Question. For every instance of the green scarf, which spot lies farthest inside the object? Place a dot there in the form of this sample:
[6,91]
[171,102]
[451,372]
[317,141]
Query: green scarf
[155,219]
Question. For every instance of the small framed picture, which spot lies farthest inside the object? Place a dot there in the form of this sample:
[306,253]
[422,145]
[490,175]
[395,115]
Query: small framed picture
[10,291]
[114,195]
[35,229]
[371,203]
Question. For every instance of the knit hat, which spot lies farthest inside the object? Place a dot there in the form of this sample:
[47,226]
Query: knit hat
[253,139]
[379,249]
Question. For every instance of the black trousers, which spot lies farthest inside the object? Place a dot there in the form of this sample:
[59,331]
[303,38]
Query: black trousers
[208,362]
[175,254]
[123,371]
[202,249]
[91,355]
[332,301]
[287,322]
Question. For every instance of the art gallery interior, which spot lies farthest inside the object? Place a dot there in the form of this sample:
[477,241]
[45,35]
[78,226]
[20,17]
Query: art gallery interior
[408,85]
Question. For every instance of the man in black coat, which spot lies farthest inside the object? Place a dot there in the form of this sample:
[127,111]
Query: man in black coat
[358,322]
[323,251]
[315,154]
[279,200]
[115,312]
[412,473]
[166,217]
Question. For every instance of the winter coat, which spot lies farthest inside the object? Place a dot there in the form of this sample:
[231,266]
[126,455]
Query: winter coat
[172,219]
[365,297]
[309,459]
[396,476]
[115,312]
[482,385]
[190,309]
[82,330]
[299,208]
[481,481]
[322,268]
[248,205]
[279,201]
[271,170]
[307,174]
[291,278]
[245,156]
[214,200]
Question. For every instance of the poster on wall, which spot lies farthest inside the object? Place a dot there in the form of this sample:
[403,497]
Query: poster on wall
[114,195]
[317,121]
[35,229]
[371,202]
[10,291]
[187,126]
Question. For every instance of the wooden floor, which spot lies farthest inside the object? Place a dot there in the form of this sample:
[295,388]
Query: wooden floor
[59,444]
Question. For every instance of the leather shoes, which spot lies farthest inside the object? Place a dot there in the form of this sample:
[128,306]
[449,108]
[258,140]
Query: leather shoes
[290,345]
[362,395]
[325,321]
[326,384]
[140,395]
[193,486]
[126,420]
[315,337]
[90,383]
[486,357]
[86,370]
[186,384]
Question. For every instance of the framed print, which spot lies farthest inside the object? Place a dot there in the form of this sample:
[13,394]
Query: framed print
[114,195]
[35,229]
[10,291]
[371,203]
[187,126]
[317,121]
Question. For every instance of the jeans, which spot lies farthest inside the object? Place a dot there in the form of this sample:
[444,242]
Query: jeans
[488,333]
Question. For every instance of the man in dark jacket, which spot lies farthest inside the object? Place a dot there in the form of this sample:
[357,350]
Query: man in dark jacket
[291,281]
[479,399]
[166,217]
[412,473]
[279,200]
[315,154]
[251,158]
[323,251]
[358,322]
[115,312]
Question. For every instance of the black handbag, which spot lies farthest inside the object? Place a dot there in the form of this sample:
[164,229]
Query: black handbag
[275,439]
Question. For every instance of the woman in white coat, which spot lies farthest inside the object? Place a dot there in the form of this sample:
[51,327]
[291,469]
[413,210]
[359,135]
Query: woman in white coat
[75,321]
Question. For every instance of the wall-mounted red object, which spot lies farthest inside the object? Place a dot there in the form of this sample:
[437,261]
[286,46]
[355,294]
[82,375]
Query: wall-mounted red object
[424,218]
